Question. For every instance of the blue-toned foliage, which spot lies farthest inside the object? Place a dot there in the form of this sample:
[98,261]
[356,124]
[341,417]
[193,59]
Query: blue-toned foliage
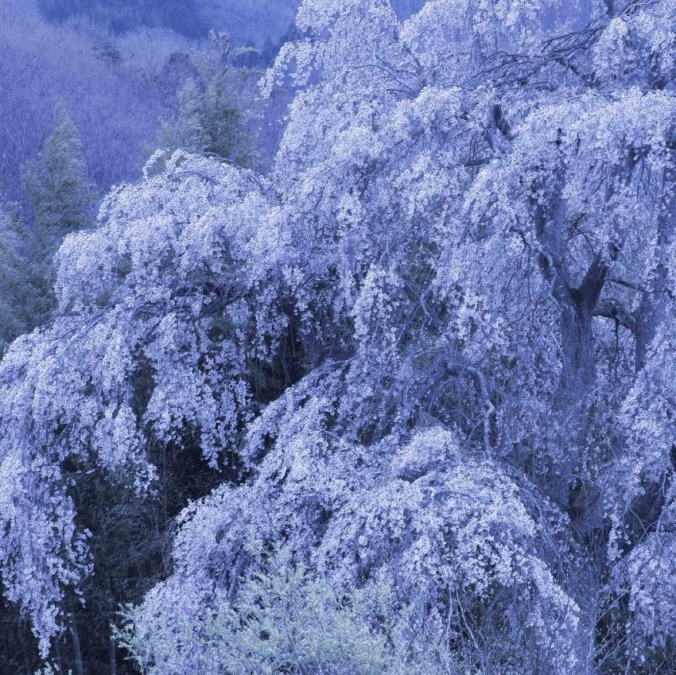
[430,353]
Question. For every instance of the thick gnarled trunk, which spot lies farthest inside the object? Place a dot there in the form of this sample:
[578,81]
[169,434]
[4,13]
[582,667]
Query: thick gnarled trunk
[578,368]
[578,306]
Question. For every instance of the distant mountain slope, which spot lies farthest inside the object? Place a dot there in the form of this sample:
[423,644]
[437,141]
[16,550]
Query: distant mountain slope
[183,16]
[246,21]
[252,21]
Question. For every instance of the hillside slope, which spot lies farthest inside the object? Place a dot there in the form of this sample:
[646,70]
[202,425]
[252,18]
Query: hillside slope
[246,21]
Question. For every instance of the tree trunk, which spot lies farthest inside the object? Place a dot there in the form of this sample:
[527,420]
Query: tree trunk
[113,657]
[79,668]
[578,370]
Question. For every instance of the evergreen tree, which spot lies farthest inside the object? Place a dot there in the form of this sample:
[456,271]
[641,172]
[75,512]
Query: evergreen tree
[56,182]
[25,300]
[209,120]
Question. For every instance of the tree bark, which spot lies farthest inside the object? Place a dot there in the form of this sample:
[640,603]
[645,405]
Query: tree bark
[79,668]
[578,306]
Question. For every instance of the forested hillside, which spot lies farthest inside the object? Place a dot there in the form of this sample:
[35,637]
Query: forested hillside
[398,397]
[118,88]
[247,21]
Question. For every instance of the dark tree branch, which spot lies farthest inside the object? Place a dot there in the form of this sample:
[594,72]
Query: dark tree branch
[610,309]
[628,284]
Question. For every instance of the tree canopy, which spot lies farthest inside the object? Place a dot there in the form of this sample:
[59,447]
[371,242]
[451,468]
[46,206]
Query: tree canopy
[431,351]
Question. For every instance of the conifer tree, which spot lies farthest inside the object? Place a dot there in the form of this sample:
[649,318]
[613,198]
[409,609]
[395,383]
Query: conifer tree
[210,121]
[56,182]
[25,300]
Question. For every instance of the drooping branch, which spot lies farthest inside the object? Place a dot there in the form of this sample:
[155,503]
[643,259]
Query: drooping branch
[454,368]
[650,312]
